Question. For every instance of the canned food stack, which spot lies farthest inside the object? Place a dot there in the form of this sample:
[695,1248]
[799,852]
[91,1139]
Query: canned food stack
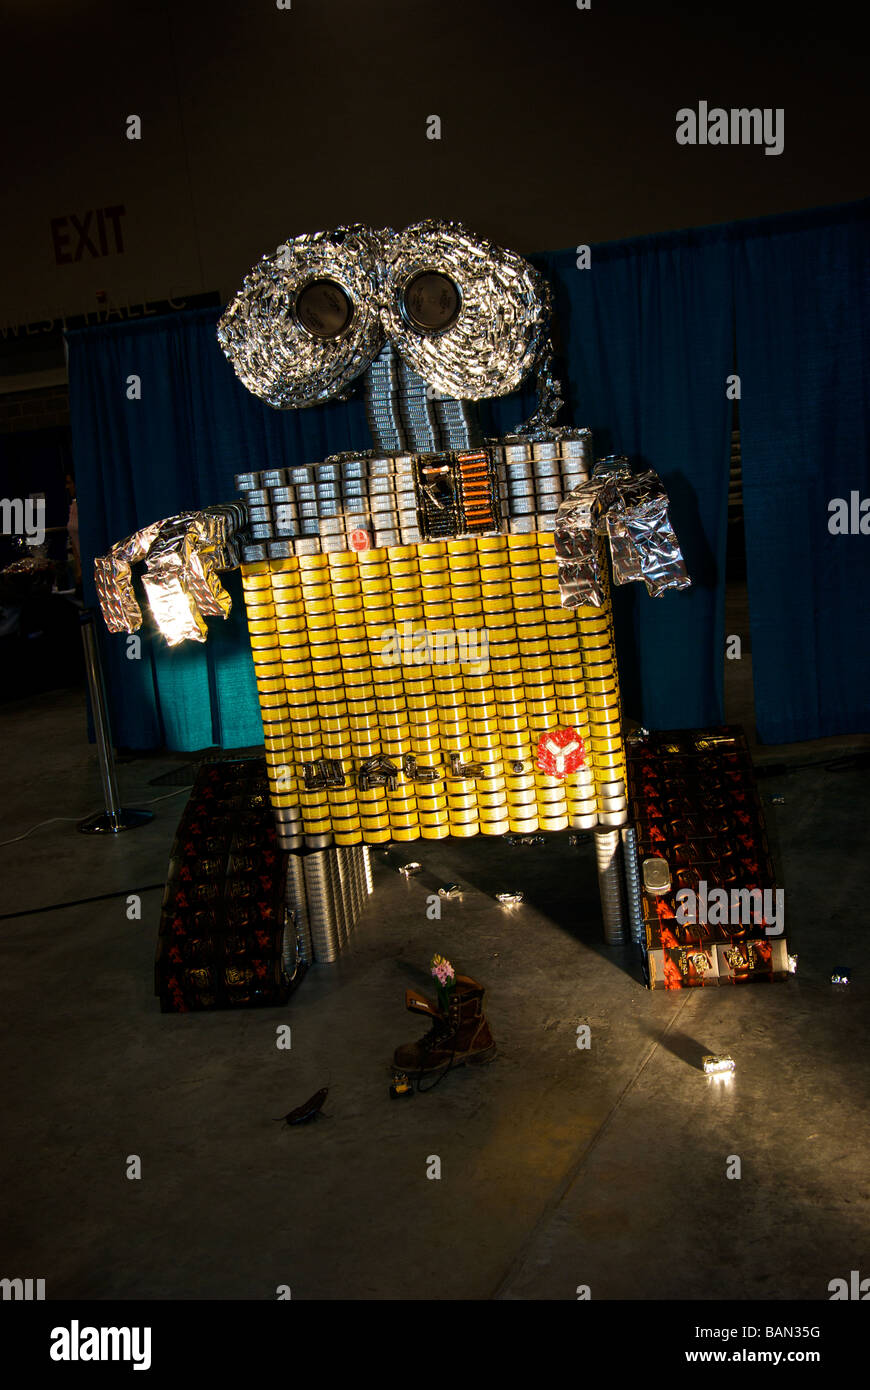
[383,397]
[319,734]
[321,507]
[226,939]
[351,875]
[572,710]
[506,708]
[607,750]
[426,686]
[329,733]
[401,408]
[340,906]
[406,686]
[404,691]
[462,615]
[382,692]
[547,806]
[633,894]
[326,893]
[457,424]
[607,855]
[403,611]
[417,410]
[265,589]
[480,600]
[297,905]
[353,687]
[539,474]
[285,736]
[323,910]
[700,828]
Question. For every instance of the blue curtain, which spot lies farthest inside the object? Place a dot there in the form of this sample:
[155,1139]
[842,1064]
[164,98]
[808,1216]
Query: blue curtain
[647,338]
[802,291]
[179,446]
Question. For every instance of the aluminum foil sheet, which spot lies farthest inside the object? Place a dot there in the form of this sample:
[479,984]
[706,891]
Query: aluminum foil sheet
[632,510]
[642,541]
[312,317]
[270,342]
[549,392]
[504,311]
[579,521]
[183,555]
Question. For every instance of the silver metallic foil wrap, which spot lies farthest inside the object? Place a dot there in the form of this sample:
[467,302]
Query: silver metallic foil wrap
[642,541]
[113,577]
[579,521]
[183,555]
[632,510]
[279,352]
[503,316]
[550,402]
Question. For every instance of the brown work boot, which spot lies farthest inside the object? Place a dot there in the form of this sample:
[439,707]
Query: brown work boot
[461,1035]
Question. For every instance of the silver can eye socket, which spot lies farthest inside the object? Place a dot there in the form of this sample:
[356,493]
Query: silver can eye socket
[324,309]
[430,302]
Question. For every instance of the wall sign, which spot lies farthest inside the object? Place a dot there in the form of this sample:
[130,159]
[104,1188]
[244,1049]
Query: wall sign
[94,234]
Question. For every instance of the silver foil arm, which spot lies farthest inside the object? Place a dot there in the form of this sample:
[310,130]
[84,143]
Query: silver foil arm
[642,541]
[183,556]
[632,511]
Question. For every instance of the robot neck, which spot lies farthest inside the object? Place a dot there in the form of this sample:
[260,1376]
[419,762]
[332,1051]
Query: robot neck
[405,414]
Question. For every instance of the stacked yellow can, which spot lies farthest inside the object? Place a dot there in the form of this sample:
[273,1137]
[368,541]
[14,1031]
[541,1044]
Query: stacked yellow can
[431,689]
[479,611]
[606,751]
[270,639]
[402,612]
[549,807]
[446,653]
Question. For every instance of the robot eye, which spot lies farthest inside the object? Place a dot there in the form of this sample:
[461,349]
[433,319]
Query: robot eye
[470,317]
[306,323]
[323,307]
[430,301]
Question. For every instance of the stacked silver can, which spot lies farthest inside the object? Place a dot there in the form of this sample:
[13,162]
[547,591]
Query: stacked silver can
[327,891]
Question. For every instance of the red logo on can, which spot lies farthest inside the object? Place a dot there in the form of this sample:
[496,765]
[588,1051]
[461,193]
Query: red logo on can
[560,752]
[360,540]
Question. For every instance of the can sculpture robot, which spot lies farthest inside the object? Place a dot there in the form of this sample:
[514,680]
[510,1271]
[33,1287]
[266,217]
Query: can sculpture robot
[430,620]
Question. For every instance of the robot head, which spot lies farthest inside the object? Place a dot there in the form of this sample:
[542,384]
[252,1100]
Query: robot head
[470,318]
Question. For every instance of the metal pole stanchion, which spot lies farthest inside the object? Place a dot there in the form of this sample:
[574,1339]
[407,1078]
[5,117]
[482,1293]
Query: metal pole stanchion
[115,818]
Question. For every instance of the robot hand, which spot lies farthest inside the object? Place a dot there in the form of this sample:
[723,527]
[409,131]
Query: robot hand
[183,555]
[631,509]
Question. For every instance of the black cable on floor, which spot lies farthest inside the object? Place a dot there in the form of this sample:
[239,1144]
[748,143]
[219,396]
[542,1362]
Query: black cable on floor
[78,902]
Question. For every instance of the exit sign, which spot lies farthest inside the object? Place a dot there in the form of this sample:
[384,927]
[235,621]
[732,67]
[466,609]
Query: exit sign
[94,233]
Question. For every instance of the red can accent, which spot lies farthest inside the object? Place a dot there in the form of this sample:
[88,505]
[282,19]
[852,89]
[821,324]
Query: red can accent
[560,752]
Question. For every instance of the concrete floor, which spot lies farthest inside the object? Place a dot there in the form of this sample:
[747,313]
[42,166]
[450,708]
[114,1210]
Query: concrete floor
[559,1167]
